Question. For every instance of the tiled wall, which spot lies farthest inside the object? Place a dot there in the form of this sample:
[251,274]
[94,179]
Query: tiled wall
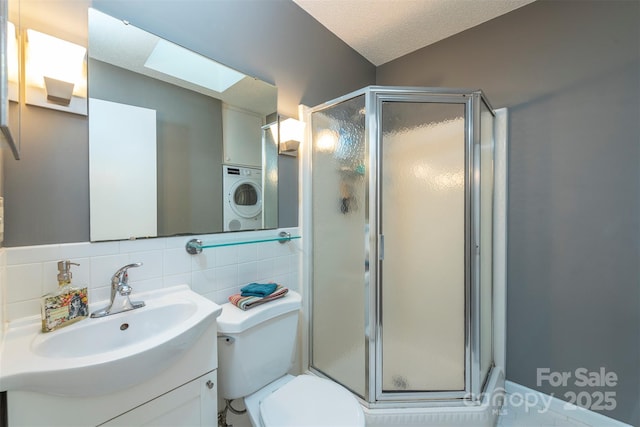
[216,273]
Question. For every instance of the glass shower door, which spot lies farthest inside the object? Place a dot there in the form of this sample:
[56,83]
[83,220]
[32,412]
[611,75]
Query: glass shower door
[401,282]
[423,215]
[339,210]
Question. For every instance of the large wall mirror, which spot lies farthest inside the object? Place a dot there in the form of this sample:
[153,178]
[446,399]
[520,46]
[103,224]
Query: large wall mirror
[178,144]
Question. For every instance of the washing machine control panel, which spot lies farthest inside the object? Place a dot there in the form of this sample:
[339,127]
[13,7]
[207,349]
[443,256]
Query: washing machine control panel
[240,171]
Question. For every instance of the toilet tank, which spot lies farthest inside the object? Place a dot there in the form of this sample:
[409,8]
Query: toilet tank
[256,346]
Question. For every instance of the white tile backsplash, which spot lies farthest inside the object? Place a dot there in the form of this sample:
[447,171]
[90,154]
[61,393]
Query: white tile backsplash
[204,261]
[203,281]
[216,273]
[176,261]
[265,268]
[21,309]
[247,272]
[177,279]
[26,280]
[226,277]
[152,265]
[247,253]
[103,267]
[132,246]
[227,255]
[86,249]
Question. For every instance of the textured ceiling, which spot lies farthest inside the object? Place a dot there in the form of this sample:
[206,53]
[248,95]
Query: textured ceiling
[383,30]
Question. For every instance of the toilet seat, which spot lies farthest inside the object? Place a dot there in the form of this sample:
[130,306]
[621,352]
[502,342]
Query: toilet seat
[311,401]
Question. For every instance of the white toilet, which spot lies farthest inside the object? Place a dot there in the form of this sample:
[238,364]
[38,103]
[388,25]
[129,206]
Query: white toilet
[256,350]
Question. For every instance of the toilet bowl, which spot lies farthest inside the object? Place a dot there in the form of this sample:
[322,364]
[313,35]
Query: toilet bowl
[255,352]
[304,400]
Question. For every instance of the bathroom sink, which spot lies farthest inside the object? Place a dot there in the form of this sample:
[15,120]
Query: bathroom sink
[104,355]
[115,333]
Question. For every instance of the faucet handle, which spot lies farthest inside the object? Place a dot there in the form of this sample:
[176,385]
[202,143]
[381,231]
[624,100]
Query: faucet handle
[124,289]
[121,276]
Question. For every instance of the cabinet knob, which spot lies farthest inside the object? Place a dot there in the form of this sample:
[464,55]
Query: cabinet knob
[210,384]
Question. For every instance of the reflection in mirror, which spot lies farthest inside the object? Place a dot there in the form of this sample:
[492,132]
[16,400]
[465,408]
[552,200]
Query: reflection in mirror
[172,136]
[9,93]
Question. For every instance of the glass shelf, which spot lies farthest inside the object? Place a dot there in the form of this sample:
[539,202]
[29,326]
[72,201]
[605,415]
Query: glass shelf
[195,246]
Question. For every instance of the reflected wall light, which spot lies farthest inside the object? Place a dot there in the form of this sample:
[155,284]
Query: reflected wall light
[291,135]
[55,73]
[327,141]
[13,68]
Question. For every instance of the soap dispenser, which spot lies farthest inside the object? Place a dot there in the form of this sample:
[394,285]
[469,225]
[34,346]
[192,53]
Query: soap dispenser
[67,304]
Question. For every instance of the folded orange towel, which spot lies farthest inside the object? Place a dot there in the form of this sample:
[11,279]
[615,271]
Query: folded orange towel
[245,303]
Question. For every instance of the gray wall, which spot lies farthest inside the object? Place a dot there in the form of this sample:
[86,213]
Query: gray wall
[569,72]
[47,194]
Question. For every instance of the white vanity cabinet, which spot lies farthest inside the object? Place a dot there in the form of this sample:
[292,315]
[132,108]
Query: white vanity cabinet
[185,394]
[193,404]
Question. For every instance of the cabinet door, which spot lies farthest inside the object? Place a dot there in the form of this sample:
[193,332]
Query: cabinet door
[242,137]
[193,404]
[136,136]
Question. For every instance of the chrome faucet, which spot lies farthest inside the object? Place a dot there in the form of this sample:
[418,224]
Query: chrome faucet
[120,291]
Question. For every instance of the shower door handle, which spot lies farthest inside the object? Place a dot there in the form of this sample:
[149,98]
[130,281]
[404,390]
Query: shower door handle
[380,247]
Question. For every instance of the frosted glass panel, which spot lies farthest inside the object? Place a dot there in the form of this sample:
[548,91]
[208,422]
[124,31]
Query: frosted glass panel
[423,223]
[486,239]
[339,215]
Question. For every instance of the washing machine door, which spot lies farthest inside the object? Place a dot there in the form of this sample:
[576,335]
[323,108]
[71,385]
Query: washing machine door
[245,199]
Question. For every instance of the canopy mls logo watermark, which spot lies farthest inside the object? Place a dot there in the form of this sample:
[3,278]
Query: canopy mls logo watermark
[581,377]
[596,393]
[601,399]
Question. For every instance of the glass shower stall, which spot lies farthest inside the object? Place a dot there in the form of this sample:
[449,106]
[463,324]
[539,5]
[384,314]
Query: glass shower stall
[401,237]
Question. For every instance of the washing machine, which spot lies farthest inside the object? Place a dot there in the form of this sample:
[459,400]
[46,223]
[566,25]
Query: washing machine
[242,192]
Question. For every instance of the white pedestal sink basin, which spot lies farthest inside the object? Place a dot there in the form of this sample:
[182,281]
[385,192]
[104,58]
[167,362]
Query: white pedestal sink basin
[99,356]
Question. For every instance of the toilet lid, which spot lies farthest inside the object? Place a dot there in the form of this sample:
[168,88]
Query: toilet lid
[311,401]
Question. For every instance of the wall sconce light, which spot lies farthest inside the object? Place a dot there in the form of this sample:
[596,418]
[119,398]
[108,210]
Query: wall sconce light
[8,64]
[55,73]
[291,132]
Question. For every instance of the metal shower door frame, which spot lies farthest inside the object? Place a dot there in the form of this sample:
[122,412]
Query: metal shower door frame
[375,96]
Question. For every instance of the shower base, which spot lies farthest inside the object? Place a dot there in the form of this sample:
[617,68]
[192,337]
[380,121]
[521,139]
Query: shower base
[483,415]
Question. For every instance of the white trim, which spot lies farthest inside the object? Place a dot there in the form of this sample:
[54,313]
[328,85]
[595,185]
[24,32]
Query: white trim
[304,224]
[562,408]
[500,239]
